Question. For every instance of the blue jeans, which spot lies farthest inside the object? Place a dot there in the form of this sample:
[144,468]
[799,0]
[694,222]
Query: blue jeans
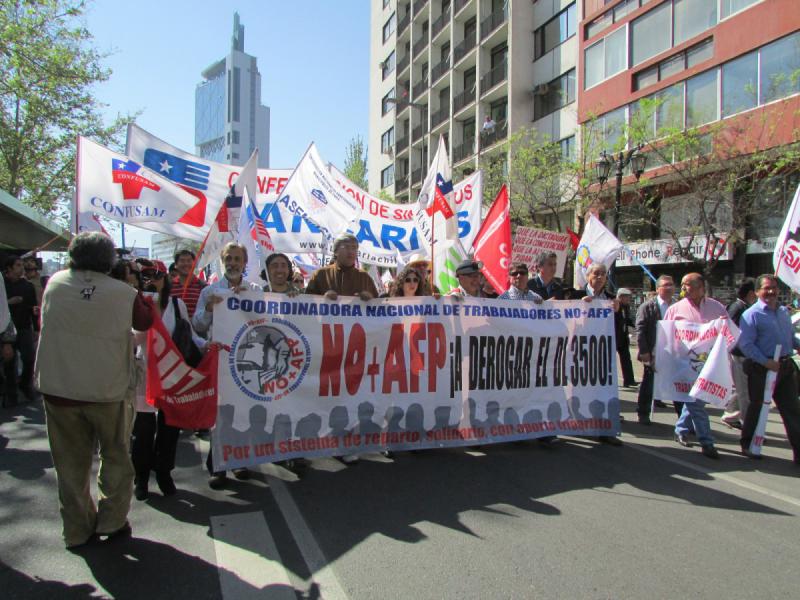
[694,415]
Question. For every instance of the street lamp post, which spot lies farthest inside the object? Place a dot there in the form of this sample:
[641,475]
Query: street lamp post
[638,161]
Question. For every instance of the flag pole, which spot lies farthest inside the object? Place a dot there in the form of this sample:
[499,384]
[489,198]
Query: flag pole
[433,246]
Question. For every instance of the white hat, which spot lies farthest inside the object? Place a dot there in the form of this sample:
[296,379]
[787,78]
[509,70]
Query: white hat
[624,292]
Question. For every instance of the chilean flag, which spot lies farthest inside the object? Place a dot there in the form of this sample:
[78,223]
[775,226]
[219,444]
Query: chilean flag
[492,245]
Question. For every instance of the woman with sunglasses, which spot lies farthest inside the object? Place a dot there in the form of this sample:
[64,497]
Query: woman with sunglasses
[153,442]
[409,283]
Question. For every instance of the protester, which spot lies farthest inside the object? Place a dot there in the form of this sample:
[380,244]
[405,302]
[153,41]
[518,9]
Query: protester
[647,318]
[736,409]
[343,278]
[234,260]
[468,274]
[622,320]
[186,286]
[695,307]
[409,283]
[544,282]
[22,305]
[765,326]
[518,290]
[153,442]
[8,335]
[597,277]
[33,274]
[84,369]
[280,275]
[487,289]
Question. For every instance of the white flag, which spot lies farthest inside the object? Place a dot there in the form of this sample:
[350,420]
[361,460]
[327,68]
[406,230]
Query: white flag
[597,245]
[714,383]
[121,189]
[312,193]
[786,257]
[256,260]
[435,219]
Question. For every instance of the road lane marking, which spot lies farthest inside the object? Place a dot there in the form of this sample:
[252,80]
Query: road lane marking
[321,572]
[247,558]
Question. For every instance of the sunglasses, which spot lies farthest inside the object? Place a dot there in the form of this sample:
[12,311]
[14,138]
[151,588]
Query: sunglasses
[516,273]
[411,280]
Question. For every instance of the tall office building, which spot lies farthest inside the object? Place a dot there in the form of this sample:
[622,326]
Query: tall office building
[440,67]
[230,121]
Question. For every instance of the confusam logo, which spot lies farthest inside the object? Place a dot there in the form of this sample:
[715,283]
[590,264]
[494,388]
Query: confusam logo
[269,359]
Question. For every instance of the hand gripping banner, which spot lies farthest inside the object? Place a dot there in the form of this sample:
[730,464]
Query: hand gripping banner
[187,396]
[307,377]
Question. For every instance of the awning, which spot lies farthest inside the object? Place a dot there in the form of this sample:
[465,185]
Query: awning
[22,228]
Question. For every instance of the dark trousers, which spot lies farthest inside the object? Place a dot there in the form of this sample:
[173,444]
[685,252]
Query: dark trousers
[624,351]
[153,444]
[784,396]
[27,352]
[645,400]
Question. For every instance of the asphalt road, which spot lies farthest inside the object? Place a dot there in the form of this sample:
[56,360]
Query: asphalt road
[648,520]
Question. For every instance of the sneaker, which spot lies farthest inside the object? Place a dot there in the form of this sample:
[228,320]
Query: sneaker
[731,420]
[217,480]
[746,452]
[710,452]
[122,532]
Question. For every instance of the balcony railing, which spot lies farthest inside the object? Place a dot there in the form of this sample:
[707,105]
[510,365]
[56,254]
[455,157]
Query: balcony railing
[463,99]
[459,4]
[463,151]
[401,144]
[418,132]
[500,133]
[401,183]
[416,175]
[419,5]
[403,63]
[492,22]
[461,50]
[420,44]
[419,88]
[440,22]
[440,69]
[404,22]
[440,115]
[493,77]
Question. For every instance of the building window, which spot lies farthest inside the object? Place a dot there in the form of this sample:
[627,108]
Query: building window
[237,86]
[780,68]
[730,7]
[605,58]
[499,110]
[387,176]
[387,66]
[235,137]
[567,147]
[674,64]
[692,17]
[613,129]
[387,140]
[669,112]
[701,99]
[386,106]
[556,31]
[699,53]
[554,95]
[740,84]
[651,33]
[388,27]
[386,3]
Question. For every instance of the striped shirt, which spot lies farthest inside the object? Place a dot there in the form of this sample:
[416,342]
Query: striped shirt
[189,294]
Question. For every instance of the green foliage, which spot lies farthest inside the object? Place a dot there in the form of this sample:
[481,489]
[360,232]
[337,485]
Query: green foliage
[46,98]
[355,162]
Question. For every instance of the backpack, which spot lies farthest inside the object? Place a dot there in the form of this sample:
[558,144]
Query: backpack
[182,337]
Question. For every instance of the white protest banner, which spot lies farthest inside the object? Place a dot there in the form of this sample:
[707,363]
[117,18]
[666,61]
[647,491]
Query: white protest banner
[386,229]
[304,376]
[786,257]
[763,416]
[597,244]
[529,242]
[682,349]
[119,188]
[714,383]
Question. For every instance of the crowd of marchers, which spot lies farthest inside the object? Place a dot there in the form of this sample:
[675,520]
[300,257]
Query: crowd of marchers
[79,341]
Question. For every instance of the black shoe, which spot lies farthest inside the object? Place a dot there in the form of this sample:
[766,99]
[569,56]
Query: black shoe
[710,452]
[217,480]
[661,404]
[630,384]
[165,483]
[89,541]
[611,440]
[644,420]
[241,474]
[122,532]
[746,452]
[387,453]
[140,491]
[683,440]
[548,441]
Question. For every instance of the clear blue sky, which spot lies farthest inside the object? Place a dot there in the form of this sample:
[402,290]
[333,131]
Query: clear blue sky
[313,56]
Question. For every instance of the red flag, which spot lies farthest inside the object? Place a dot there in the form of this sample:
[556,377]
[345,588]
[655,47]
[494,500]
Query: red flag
[493,243]
[187,396]
[574,239]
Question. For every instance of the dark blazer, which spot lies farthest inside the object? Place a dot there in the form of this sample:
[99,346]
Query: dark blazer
[647,318]
[557,291]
